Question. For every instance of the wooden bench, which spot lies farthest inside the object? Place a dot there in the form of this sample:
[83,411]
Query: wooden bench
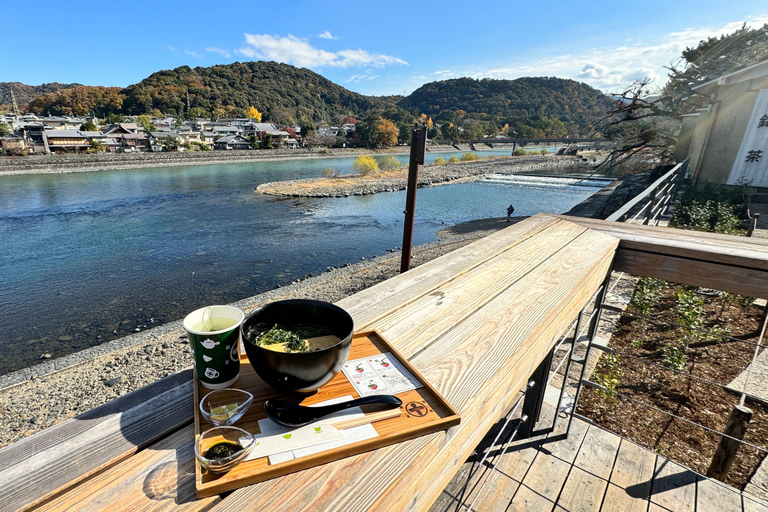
[476,323]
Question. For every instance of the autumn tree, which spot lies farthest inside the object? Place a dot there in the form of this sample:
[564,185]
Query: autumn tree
[377,131]
[253,113]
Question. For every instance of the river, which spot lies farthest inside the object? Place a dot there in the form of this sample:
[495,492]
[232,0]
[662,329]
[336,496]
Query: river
[89,257]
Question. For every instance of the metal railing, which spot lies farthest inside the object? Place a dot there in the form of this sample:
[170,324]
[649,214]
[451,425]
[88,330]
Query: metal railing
[654,202]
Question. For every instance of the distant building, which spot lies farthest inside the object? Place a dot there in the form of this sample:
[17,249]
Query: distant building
[229,142]
[726,138]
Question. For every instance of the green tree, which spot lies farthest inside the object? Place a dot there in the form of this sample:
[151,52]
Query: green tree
[145,121]
[266,143]
[5,129]
[645,122]
[451,133]
[198,112]
[88,126]
[96,146]
[389,163]
[115,118]
[171,143]
[306,128]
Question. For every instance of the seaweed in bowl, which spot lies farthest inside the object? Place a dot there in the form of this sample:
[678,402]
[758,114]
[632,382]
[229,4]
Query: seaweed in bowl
[284,362]
[292,338]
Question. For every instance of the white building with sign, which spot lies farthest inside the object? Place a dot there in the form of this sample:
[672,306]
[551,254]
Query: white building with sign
[726,138]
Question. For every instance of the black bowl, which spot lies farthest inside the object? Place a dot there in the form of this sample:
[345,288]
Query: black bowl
[298,372]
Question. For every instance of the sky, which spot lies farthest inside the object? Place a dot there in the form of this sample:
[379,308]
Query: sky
[370,47]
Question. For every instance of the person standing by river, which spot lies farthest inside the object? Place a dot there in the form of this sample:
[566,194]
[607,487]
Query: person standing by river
[510,211]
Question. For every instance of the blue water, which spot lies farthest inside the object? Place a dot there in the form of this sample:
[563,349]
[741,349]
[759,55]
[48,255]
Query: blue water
[89,257]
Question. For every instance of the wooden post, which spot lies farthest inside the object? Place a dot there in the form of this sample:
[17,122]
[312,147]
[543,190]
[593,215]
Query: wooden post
[727,449]
[418,149]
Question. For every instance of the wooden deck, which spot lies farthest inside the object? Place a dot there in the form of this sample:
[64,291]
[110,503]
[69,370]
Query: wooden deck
[590,470]
[476,323]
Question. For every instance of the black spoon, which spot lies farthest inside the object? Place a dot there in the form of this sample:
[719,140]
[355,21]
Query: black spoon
[291,415]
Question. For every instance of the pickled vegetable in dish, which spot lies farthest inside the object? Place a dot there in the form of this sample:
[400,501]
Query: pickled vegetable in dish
[296,338]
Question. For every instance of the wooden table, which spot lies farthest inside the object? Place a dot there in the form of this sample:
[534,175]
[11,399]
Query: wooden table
[475,322]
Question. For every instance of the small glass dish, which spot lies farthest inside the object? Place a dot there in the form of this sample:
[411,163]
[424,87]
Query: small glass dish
[224,407]
[233,439]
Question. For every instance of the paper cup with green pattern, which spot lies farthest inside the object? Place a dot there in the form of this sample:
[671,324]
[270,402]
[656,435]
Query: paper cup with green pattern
[214,334]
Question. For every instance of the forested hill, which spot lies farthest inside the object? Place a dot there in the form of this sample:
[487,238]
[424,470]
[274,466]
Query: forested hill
[288,95]
[567,100]
[268,86]
[25,93]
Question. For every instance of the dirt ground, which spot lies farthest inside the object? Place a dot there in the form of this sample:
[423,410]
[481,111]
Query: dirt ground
[643,374]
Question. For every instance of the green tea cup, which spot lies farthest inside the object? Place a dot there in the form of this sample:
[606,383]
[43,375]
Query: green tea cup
[214,335]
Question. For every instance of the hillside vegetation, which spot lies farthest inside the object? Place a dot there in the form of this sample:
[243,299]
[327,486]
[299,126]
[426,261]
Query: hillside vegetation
[25,93]
[510,101]
[465,107]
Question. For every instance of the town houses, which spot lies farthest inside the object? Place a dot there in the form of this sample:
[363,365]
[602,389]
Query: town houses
[30,133]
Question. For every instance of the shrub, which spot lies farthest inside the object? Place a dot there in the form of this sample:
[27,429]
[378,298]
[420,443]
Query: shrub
[544,152]
[389,163]
[647,294]
[469,157]
[708,209]
[519,152]
[331,172]
[453,160]
[439,161]
[365,165]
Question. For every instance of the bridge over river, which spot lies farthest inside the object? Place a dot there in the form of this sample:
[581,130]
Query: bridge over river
[522,142]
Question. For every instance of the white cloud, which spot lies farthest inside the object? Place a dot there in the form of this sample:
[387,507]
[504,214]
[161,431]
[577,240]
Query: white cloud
[327,35]
[612,69]
[362,76]
[172,48]
[298,52]
[194,54]
[220,51]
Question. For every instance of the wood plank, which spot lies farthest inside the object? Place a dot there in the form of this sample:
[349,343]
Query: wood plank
[566,448]
[526,500]
[754,505]
[674,487]
[509,323]
[598,452]
[377,301]
[160,477]
[425,317]
[495,494]
[582,492]
[389,478]
[617,498]
[491,489]
[496,356]
[633,470]
[547,475]
[712,496]
[42,466]
[738,280]
[727,249]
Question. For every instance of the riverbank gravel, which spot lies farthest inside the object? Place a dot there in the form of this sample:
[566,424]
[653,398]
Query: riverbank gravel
[44,395]
[429,175]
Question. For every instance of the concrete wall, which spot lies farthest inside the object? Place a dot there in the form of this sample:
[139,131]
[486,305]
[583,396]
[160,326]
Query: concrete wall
[712,159]
[685,136]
